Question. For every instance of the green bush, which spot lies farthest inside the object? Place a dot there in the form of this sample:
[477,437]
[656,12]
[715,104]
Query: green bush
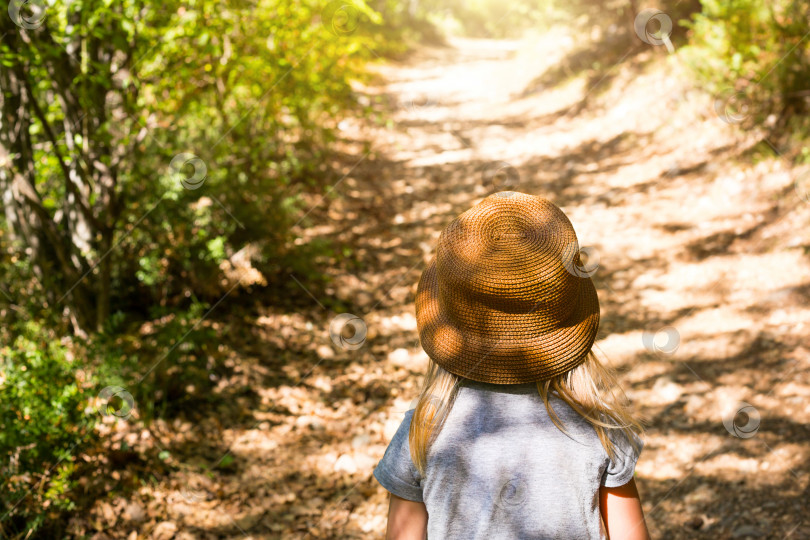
[120,98]
[151,142]
[171,365]
[753,56]
[45,423]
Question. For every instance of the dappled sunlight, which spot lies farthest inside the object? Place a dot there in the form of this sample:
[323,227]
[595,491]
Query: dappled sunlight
[654,193]
[670,457]
[768,466]
[699,236]
[643,201]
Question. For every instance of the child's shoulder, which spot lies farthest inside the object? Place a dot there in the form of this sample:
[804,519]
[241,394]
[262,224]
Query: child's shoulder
[481,407]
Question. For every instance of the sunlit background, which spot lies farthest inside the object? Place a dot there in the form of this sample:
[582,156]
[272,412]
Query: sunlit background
[215,215]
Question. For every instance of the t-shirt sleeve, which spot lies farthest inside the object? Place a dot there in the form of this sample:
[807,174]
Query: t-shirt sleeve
[620,470]
[396,471]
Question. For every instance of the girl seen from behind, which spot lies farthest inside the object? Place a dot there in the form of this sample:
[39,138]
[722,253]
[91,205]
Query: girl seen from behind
[519,431]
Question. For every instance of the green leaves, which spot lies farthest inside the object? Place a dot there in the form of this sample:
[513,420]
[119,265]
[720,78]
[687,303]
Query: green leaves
[43,425]
[121,88]
[756,49]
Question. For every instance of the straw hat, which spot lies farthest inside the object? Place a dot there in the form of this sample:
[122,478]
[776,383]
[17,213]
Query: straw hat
[506,299]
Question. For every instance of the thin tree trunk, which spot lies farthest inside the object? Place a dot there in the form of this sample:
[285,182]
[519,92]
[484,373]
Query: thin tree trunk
[104,279]
[48,247]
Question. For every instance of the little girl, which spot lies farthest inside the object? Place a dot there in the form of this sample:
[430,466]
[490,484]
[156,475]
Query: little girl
[519,432]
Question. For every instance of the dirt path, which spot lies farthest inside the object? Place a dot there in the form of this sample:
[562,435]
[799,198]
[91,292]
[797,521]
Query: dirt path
[699,251]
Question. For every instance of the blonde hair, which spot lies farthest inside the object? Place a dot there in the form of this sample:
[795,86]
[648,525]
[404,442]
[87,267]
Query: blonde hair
[590,389]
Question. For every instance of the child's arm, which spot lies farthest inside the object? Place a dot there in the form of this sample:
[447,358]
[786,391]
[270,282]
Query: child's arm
[407,520]
[621,511]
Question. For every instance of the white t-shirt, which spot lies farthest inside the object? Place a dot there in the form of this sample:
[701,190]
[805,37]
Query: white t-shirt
[500,469]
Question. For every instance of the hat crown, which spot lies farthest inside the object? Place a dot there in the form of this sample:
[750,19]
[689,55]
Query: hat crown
[508,254]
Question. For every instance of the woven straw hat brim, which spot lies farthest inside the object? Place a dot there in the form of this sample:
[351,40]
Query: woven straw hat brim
[525,355]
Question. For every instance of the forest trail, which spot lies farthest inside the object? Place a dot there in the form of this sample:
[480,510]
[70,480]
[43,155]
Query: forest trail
[702,276]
